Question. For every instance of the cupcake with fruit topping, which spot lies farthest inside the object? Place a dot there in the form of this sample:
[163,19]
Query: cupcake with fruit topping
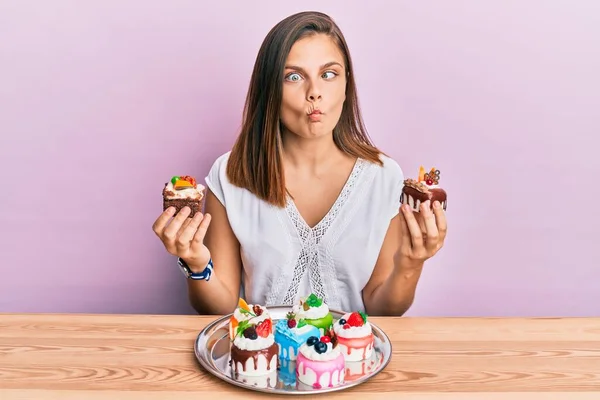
[245,312]
[253,351]
[355,336]
[183,191]
[291,333]
[315,312]
[320,363]
[425,187]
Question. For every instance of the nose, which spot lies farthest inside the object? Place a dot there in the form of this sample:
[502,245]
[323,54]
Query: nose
[314,93]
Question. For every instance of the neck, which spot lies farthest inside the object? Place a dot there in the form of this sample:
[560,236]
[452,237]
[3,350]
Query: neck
[308,154]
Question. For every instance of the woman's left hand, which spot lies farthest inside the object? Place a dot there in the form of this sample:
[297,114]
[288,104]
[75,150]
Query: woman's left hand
[423,234]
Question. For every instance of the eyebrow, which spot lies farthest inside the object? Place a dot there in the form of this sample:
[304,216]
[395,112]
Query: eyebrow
[327,65]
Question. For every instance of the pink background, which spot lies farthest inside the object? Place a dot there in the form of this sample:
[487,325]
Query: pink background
[102,101]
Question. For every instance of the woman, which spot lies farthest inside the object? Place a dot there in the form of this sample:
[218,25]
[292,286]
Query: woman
[304,203]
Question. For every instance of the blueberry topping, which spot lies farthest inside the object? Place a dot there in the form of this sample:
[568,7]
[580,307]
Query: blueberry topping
[321,347]
[250,333]
[342,321]
[312,340]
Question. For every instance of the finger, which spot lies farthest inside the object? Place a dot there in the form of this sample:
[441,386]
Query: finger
[440,219]
[431,227]
[416,237]
[170,233]
[185,224]
[161,222]
[405,244]
[421,220]
[187,232]
[198,239]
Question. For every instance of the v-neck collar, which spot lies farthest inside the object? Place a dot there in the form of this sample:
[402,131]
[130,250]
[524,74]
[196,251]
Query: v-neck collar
[337,205]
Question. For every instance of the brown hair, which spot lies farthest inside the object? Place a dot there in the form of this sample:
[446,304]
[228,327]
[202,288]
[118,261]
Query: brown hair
[255,161]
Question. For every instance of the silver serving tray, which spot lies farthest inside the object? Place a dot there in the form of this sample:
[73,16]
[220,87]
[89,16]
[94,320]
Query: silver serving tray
[212,350]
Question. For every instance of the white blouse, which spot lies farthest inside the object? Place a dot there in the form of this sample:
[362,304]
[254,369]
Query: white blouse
[284,259]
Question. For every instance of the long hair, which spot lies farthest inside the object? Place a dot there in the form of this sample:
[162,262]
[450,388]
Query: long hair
[255,162]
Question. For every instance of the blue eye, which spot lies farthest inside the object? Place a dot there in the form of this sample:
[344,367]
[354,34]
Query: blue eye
[329,75]
[294,77]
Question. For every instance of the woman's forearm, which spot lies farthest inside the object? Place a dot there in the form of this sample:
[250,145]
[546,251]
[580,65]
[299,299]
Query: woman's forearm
[211,297]
[396,294]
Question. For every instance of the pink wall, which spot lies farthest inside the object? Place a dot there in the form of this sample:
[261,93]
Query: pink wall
[101,101]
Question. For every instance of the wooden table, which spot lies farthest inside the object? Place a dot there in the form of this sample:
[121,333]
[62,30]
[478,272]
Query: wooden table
[48,356]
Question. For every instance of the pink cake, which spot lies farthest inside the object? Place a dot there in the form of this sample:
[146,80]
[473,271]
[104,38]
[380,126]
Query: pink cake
[355,336]
[320,363]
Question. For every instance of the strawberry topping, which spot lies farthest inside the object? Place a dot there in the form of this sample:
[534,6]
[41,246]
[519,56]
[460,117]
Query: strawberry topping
[263,329]
[355,319]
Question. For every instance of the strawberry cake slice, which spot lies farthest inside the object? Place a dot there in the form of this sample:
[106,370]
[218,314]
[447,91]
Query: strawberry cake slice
[253,351]
[320,363]
[355,336]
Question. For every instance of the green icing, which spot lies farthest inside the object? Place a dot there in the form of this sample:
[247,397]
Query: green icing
[174,179]
[324,323]
[314,301]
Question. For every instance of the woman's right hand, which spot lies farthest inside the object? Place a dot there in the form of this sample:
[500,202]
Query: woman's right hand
[184,237]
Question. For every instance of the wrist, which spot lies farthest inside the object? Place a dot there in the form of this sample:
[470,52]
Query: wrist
[196,273]
[196,266]
[403,264]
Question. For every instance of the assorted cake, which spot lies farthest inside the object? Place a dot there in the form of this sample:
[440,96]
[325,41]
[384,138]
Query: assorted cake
[305,350]
[320,362]
[253,348]
[426,187]
[291,333]
[314,311]
[355,336]
[183,191]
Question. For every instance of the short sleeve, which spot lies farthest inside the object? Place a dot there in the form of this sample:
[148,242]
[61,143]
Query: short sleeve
[395,180]
[215,180]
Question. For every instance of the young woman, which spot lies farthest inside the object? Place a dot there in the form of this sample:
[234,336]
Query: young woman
[304,203]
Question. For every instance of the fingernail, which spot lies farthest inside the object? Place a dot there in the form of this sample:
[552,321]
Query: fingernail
[170,210]
[436,204]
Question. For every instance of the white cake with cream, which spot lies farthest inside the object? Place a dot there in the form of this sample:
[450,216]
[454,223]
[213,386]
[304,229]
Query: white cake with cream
[253,348]
[355,336]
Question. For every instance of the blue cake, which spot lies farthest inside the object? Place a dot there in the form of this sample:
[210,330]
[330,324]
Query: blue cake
[287,373]
[291,333]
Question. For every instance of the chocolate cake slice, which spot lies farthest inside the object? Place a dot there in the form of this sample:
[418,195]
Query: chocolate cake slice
[425,188]
[183,191]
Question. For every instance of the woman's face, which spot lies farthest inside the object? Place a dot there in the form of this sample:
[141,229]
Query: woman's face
[314,87]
